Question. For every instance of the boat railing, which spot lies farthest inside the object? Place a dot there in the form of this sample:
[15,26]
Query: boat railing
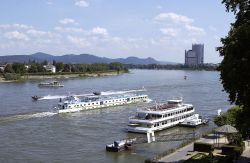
[160,107]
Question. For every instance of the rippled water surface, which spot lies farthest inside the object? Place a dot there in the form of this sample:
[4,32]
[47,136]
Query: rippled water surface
[31,132]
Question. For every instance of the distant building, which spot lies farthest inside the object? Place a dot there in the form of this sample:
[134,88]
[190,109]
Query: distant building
[195,56]
[2,67]
[27,66]
[50,68]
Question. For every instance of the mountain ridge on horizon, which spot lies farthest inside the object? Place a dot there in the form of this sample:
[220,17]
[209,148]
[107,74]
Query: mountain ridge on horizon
[79,58]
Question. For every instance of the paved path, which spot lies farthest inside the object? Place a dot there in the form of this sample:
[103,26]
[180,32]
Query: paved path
[183,153]
[245,157]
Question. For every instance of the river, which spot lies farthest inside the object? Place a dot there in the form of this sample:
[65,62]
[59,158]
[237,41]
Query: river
[30,132]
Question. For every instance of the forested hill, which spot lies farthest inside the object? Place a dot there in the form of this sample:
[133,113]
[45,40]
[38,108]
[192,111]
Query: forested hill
[77,59]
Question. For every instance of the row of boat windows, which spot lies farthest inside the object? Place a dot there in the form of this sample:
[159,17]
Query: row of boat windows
[173,113]
[97,103]
[138,98]
[172,120]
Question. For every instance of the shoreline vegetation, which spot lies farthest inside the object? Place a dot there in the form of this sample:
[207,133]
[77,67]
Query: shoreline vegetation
[38,71]
[56,76]
[205,67]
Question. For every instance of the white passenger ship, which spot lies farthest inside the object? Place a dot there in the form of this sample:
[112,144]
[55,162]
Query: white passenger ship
[75,104]
[160,116]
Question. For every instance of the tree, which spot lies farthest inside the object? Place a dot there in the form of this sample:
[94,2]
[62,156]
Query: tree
[229,117]
[235,66]
[40,67]
[8,69]
[19,67]
[33,69]
[59,66]
[66,68]
[45,62]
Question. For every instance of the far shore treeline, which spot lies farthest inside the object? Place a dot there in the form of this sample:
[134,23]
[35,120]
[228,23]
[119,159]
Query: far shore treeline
[206,67]
[17,69]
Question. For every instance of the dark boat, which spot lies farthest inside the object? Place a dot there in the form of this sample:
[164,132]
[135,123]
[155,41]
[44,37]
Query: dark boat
[120,145]
[35,98]
[97,93]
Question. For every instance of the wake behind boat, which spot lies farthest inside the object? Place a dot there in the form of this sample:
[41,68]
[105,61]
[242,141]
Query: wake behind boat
[75,104]
[51,84]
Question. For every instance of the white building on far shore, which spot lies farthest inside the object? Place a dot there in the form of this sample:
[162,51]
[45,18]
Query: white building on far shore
[50,68]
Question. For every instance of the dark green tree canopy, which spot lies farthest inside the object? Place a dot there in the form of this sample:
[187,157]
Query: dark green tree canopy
[235,67]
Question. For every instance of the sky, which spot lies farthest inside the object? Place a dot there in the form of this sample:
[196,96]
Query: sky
[161,29]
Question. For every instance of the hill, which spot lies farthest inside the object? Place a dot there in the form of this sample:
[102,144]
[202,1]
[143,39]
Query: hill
[77,59]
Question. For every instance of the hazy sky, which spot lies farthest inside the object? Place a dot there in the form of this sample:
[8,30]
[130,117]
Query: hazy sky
[161,29]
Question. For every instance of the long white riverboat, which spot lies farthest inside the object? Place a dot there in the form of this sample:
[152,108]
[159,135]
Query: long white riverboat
[160,116]
[75,104]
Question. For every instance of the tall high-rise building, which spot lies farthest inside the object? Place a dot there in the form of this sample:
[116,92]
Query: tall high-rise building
[195,56]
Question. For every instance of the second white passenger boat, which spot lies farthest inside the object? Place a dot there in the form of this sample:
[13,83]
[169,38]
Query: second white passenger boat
[160,116]
[75,104]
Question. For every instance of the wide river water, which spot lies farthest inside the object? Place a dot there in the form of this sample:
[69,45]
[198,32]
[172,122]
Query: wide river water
[30,132]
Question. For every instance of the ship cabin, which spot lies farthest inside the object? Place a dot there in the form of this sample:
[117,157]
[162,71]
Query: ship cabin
[97,101]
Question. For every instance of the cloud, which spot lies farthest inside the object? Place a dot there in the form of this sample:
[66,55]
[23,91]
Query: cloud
[195,30]
[78,41]
[49,3]
[15,26]
[15,35]
[66,21]
[99,31]
[81,3]
[159,7]
[173,17]
[69,29]
[37,33]
[169,31]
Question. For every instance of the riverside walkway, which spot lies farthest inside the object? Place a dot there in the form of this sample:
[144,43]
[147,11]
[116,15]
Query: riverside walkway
[245,157]
[184,152]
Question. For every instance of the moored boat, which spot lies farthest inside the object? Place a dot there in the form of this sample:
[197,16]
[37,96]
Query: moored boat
[194,121]
[160,116]
[120,145]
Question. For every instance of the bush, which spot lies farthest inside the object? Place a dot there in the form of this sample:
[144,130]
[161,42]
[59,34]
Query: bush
[228,149]
[233,150]
[12,76]
[203,147]
[228,117]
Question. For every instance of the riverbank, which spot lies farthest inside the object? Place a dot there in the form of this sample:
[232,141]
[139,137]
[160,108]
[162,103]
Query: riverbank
[186,153]
[60,76]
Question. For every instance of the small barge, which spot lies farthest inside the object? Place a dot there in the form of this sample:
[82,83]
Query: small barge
[194,121]
[120,145]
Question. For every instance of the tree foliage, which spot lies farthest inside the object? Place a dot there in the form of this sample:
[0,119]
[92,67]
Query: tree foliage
[229,117]
[235,66]
[8,69]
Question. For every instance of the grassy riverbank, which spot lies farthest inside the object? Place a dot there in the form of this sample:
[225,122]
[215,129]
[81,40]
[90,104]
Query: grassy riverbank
[60,75]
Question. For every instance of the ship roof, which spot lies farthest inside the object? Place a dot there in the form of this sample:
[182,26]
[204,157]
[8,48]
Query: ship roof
[162,108]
